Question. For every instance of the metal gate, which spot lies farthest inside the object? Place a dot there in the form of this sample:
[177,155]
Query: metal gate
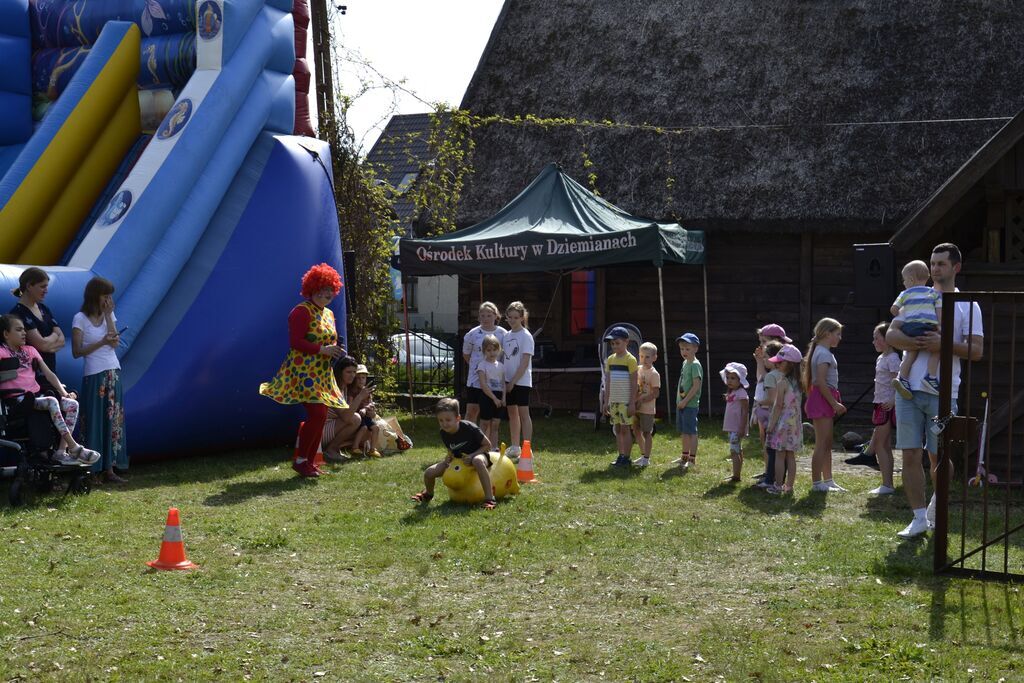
[979,522]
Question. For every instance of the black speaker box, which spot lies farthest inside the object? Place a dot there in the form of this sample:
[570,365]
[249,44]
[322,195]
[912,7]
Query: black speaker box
[874,275]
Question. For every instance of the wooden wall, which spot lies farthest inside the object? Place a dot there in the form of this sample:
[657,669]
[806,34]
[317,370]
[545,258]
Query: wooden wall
[752,278]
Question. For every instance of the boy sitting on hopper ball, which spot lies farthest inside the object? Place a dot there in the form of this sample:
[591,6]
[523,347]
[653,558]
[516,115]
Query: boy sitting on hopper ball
[464,440]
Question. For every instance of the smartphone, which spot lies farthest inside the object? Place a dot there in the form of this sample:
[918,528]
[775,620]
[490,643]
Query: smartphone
[371,382]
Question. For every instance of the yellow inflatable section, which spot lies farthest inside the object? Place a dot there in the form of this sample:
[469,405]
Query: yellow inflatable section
[464,484]
[49,206]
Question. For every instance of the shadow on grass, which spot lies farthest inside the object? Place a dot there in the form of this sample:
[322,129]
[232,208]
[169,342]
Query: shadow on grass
[205,467]
[811,505]
[609,473]
[762,501]
[241,491]
[672,473]
[723,489]
[422,512]
[978,613]
[890,508]
[909,558]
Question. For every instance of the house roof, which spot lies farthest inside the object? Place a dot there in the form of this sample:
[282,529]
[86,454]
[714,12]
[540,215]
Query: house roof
[795,115]
[397,157]
[918,224]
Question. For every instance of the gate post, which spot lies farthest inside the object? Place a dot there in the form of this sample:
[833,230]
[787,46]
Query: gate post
[941,481]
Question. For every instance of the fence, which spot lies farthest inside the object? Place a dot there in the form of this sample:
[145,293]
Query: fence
[979,506]
[425,364]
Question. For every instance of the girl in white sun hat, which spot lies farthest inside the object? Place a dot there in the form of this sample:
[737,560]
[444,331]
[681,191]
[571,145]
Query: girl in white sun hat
[737,413]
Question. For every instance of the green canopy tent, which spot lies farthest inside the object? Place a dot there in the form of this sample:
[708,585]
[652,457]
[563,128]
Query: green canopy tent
[556,224]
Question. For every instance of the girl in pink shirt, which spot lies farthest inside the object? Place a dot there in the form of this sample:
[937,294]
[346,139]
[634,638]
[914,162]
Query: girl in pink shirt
[63,411]
[737,413]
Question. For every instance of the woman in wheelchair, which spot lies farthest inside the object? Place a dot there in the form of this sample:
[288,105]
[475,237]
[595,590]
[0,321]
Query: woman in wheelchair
[63,411]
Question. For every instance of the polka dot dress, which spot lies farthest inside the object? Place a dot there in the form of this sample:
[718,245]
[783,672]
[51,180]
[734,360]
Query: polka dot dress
[304,377]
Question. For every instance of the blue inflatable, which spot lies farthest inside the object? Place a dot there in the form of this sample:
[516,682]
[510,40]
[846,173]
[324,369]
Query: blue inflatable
[205,235]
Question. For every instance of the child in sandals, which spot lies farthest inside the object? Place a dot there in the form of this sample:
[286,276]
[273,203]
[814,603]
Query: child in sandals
[462,439]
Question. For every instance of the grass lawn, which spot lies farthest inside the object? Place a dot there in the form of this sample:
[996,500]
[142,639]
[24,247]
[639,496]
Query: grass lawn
[591,575]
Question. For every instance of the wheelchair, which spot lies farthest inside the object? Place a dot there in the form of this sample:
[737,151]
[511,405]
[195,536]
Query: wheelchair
[28,440]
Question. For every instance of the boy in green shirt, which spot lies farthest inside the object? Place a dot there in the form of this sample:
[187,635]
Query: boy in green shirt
[691,378]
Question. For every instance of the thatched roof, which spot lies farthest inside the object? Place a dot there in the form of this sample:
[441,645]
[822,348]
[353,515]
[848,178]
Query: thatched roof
[837,115]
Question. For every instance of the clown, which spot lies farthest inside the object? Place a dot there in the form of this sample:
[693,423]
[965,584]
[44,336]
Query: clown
[307,374]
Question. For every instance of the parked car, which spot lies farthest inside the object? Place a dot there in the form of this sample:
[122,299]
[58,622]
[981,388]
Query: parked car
[426,352]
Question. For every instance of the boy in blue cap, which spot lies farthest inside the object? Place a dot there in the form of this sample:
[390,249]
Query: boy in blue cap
[620,393]
[691,378]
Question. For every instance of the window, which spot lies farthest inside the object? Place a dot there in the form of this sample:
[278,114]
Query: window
[407,180]
[582,302]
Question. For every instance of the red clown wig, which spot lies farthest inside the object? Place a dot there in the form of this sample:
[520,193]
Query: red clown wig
[319,277]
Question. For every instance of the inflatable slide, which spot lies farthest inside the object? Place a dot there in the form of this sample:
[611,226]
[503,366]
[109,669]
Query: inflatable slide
[150,142]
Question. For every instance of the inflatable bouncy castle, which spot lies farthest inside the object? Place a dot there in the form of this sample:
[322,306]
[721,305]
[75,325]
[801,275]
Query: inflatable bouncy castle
[150,142]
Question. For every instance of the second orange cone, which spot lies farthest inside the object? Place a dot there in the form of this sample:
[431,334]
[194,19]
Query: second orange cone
[524,468]
[172,549]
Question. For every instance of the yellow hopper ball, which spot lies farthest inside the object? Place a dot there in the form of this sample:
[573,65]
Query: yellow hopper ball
[464,484]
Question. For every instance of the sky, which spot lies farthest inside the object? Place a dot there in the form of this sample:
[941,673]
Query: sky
[432,47]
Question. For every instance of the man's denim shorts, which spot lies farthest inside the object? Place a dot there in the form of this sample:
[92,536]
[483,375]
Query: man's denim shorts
[914,421]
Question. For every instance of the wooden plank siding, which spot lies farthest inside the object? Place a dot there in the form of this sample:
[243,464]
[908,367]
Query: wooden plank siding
[753,279]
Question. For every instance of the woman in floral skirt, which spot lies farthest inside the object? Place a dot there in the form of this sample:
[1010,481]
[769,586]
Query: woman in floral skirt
[94,336]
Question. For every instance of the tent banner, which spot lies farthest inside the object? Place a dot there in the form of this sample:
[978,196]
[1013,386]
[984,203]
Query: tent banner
[536,251]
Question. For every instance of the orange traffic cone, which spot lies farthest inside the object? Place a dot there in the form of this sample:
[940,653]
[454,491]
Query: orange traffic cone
[172,550]
[524,468]
[318,459]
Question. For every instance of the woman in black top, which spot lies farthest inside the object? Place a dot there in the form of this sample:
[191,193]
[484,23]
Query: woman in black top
[42,330]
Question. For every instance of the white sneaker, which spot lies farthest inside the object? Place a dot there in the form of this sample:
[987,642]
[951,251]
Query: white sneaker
[819,486]
[513,453]
[882,491]
[915,528]
[687,464]
[834,487]
[642,462]
[929,514]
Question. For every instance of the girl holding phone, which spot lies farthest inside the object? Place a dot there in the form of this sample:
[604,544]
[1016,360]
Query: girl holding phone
[95,337]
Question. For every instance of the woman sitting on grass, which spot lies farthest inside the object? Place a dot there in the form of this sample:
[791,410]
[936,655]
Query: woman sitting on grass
[351,428]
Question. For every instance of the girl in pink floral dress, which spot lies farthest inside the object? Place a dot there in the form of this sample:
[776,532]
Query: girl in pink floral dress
[785,426]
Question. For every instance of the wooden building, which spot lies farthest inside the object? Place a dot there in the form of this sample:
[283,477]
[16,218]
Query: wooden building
[980,208]
[787,132]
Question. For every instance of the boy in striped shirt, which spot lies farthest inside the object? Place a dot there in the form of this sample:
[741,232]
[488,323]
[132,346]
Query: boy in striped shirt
[620,396]
[919,307]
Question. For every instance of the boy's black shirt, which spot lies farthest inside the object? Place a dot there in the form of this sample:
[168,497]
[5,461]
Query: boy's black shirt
[467,439]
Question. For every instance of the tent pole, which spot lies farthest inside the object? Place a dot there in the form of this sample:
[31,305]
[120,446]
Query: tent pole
[707,334]
[408,350]
[664,348]
[481,288]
